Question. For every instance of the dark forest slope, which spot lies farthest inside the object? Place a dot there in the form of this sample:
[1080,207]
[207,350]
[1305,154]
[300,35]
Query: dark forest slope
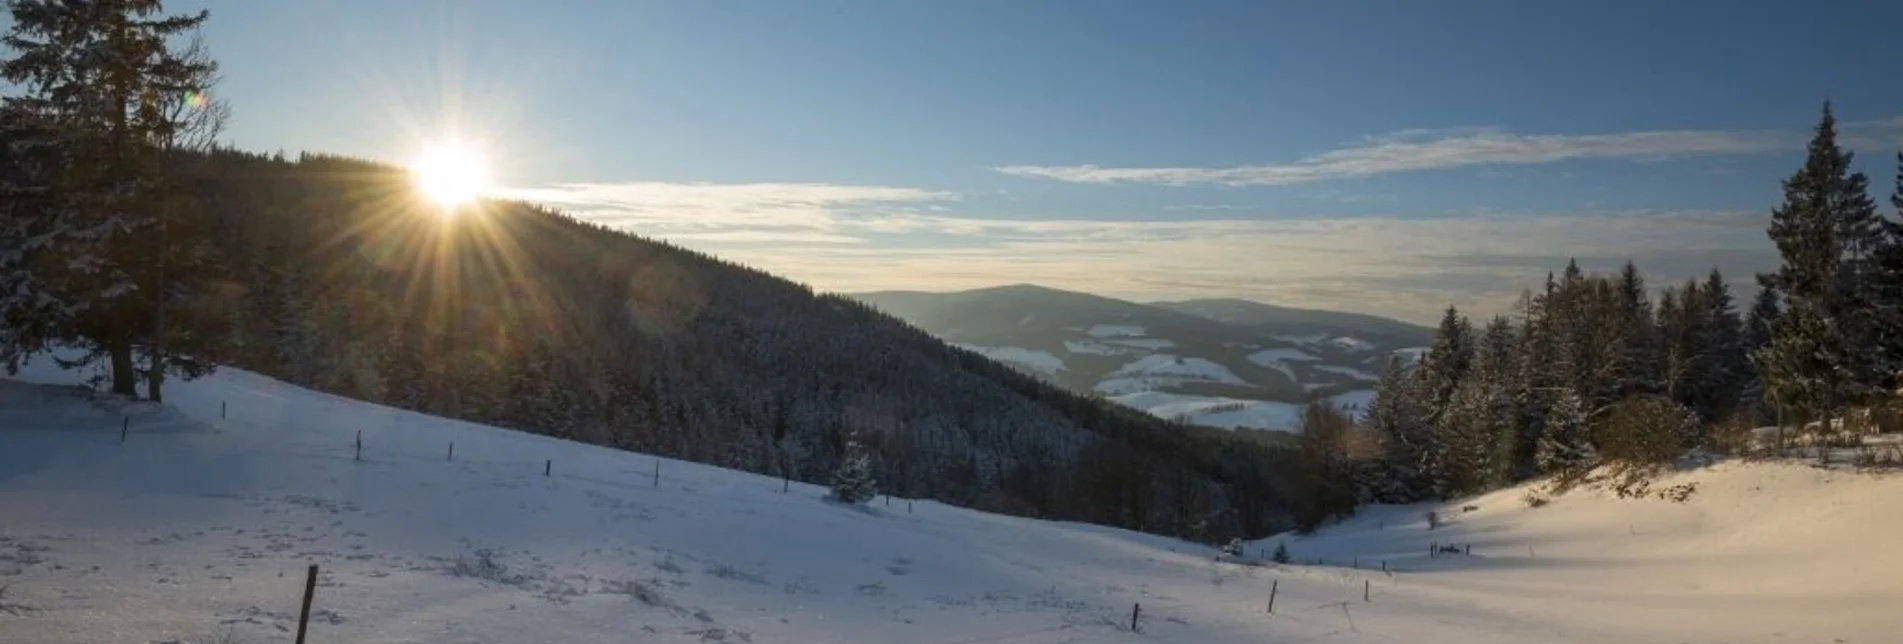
[333,277]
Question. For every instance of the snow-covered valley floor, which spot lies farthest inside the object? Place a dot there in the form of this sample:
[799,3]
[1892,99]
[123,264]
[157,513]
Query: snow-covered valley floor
[197,527]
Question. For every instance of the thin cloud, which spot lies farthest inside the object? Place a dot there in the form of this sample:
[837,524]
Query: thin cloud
[815,206]
[1406,268]
[1417,150]
[861,238]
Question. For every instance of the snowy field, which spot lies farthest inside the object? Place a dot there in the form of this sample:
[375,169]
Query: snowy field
[197,527]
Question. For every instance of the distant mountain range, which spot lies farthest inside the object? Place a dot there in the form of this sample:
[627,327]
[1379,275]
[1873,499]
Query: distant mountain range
[1231,364]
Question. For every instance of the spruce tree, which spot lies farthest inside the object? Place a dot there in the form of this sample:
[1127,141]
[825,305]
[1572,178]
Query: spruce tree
[97,79]
[1638,361]
[1885,293]
[1566,445]
[1811,366]
[852,482]
[1726,366]
[1397,418]
[1755,336]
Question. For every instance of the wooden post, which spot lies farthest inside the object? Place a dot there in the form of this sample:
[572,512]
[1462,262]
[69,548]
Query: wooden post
[125,425]
[1136,610]
[548,467]
[1433,550]
[1366,586]
[452,450]
[359,444]
[304,615]
[221,409]
[1274,585]
[657,472]
[908,506]
[1357,562]
[1470,549]
[1384,565]
[786,483]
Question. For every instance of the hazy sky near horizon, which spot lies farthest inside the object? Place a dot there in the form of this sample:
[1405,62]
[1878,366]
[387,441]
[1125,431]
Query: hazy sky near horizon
[1388,157]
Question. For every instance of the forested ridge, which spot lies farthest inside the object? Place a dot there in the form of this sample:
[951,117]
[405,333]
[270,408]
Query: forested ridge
[327,272]
[1593,369]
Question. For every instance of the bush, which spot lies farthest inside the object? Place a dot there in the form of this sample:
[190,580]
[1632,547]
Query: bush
[1281,555]
[1733,435]
[1645,429]
[1536,500]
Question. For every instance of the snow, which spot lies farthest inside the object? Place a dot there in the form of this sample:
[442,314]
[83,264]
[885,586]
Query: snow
[1093,347]
[1163,365]
[1145,343]
[1760,552]
[1036,359]
[1352,344]
[1347,371]
[1411,355]
[1276,356]
[198,525]
[1115,331]
[1302,339]
[1214,411]
[1355,401]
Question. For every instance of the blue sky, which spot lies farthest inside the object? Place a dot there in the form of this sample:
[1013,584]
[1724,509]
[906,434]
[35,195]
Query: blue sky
[1389,157]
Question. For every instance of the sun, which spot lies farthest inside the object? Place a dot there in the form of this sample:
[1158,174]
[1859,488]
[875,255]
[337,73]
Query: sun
[450,173]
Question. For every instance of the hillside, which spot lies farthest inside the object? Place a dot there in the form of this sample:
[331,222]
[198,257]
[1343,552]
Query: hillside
[329,273]
[1216,363]
[201,524]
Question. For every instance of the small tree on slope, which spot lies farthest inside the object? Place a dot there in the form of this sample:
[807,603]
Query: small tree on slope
[852,482]
[1564,446]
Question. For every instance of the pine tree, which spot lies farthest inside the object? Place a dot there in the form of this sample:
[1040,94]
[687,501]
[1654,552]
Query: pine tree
[1566,445]
[1637,370]
[1885,293]
[98,77]
[1281,554]
[1726,365]
[1756,335]
[1810,367]
[1447,361]
[1536,375]
[852,482]
[1397,418]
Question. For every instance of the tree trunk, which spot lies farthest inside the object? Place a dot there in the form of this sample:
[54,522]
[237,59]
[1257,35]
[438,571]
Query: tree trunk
[125,379]
[155,372]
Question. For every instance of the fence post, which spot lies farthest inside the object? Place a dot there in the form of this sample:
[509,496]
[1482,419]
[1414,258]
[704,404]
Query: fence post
[1136,610]
[1470,549]
[221,409]
[1366,586]
[1433,550]
[359,444]
[1384,565]
[452,450]
[125,425]
[1357,562]
[1274,585]
[304,615]
[657,473]
[548,467]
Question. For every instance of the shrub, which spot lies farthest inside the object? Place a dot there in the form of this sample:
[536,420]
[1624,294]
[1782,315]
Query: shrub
[1645,429]
[1535,500]
[1281,555]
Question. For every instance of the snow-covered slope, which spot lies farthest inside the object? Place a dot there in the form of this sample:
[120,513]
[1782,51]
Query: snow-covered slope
[1757,552]
[198,525]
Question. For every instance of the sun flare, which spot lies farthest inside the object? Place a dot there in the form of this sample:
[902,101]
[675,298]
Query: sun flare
[450,174]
